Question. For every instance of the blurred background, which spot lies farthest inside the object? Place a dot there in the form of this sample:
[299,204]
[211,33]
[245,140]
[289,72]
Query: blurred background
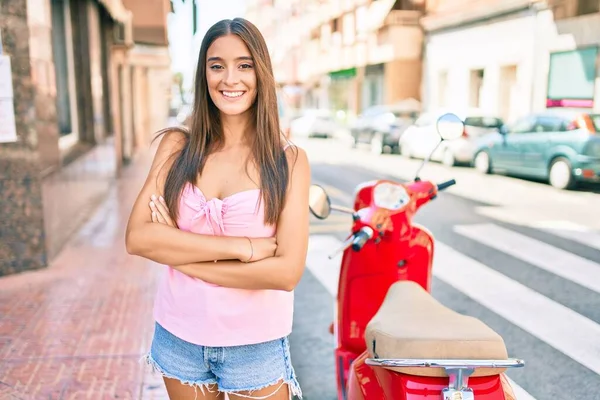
[85,84]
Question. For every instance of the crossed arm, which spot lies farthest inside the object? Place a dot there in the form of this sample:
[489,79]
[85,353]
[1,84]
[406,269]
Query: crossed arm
[277,263]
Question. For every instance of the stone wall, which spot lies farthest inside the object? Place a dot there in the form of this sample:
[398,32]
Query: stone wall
[22,245]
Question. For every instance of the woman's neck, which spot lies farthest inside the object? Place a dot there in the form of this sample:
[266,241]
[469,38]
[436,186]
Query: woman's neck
[235,128]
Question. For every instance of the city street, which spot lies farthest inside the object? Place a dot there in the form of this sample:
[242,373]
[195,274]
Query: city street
[86,85]
[520,255]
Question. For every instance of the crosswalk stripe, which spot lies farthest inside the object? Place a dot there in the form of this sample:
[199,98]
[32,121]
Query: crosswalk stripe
[327,272]
[560,327]
[559,262]
[571,231]
[336,193]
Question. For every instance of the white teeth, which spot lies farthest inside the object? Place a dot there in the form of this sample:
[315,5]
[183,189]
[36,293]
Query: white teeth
[232,94]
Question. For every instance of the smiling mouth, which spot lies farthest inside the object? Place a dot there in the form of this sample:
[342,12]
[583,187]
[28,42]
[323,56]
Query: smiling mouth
[232,95]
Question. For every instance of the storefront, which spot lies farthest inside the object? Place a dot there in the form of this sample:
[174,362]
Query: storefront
[343,91]
[572,78]
[570,67]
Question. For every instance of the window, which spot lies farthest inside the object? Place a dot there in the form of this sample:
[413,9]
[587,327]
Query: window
[524,125]
[476,87]
[596,122]
[483,122]
[550,124]
[588,7]
[335,25]
[62,48]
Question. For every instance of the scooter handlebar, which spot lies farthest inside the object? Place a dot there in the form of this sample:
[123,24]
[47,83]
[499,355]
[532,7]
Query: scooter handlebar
[361,237]
[445,185]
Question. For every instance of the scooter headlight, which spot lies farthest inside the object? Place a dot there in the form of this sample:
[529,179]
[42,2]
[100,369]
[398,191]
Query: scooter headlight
[390,196]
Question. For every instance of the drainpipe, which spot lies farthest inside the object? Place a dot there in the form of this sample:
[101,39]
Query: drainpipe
[537,7]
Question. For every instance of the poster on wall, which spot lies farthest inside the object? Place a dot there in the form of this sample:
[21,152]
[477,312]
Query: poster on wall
[8,130]
[572,77]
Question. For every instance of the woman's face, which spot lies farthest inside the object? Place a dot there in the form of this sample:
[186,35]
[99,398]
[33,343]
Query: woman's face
[230,75]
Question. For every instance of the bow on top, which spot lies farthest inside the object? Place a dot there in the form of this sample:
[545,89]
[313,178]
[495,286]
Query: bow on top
[213,210]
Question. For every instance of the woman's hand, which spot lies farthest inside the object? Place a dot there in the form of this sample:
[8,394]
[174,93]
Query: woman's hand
[160,212]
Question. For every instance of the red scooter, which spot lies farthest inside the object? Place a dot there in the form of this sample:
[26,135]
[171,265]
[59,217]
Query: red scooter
[394,340]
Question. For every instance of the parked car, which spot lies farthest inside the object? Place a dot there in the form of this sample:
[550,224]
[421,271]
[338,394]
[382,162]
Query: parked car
[559,146]
[382,126]
[421,138]
[315,123]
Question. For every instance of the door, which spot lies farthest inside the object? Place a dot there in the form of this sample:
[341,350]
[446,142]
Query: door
[534,151]
[507,154]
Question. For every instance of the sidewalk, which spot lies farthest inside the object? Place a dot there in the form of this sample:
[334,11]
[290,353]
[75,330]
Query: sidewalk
[77,329]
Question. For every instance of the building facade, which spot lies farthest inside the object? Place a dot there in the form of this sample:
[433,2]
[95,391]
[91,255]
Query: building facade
[510,58]
[570,56]
[71,114]
[343,55]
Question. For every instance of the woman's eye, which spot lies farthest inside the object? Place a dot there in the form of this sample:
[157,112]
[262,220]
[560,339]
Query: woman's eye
[244,66]
[215,66]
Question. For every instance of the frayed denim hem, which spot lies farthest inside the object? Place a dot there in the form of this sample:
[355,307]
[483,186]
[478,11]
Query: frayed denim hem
[291,382]
[203,386]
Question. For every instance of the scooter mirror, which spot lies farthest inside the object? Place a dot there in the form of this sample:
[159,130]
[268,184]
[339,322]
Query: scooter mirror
[318,202]
[450,126]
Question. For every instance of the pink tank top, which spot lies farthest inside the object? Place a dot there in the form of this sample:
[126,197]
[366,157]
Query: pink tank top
[211,315]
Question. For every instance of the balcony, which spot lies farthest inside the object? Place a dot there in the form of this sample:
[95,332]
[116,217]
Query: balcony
[455,13]
[403,17]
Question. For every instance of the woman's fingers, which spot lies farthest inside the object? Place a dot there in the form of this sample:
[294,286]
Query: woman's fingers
[159,206]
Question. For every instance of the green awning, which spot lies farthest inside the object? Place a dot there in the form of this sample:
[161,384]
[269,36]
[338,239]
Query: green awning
[343,74]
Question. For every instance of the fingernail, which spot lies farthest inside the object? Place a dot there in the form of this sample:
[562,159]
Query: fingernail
[153,197]
[151,204]
[161,199]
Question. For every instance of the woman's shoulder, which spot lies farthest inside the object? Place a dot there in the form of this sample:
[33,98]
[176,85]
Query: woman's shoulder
[295,154]
[287,144]
[174,138]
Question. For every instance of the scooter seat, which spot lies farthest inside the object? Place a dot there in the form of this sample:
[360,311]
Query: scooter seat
[411,324]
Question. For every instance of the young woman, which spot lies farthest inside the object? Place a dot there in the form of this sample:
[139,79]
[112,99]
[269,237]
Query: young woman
[229,216]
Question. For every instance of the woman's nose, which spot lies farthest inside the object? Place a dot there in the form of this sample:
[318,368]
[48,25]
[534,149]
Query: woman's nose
[231,77]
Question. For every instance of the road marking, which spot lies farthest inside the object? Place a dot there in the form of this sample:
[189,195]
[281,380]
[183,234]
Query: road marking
[327,272]
[560,327]
[322,229]
[559,262]
[571,231]
[317,261]
[336,193]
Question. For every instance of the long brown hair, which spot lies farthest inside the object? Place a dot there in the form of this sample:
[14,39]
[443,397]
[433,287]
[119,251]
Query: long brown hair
[206,132]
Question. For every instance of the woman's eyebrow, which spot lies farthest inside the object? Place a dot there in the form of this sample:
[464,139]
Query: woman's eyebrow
[248,58]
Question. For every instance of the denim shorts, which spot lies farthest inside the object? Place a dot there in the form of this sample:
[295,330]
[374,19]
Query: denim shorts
[233,369]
